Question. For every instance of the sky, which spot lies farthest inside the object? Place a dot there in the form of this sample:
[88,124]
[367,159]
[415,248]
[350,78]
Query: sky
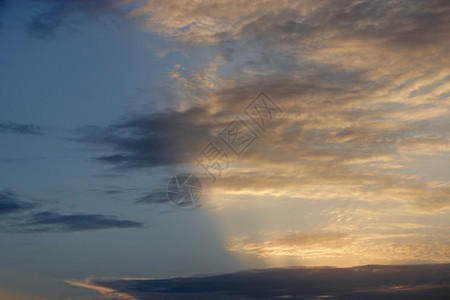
[319,131]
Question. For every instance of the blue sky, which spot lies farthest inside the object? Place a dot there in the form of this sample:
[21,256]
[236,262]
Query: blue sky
[102,102]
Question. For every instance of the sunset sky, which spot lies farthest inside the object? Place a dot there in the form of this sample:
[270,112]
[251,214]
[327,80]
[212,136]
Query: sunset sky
[102,102]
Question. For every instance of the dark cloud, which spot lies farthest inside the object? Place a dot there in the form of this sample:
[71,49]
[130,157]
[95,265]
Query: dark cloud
[10,203]
[48,221]
[2,8]
[54,222]
[20,160]
[69,14]
[365,282]
[114,190]
[77,222]
[16,128]
[29,220]
[148,141]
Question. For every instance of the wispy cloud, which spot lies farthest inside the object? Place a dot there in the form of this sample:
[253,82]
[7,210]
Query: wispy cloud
[49,221]
[69,15]
[381,247]
[55,222]
[22,216]
[10,203]
[16,128]
[106,292]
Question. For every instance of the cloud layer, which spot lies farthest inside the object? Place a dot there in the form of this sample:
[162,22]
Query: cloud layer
[364,282]
[10,203]
[351,120]
[16,128]
[364,88]
[23,216]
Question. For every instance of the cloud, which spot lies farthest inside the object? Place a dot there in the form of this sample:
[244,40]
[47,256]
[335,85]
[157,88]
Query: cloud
[16,128]
[363,87]
[107,292]
[286,22]
[351,121]
[54,222]
[142,141]
[20,160]
[364,282]
[21,216]
[206,21]
[385,246]
[10,203]
[69,15]
[75,222]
